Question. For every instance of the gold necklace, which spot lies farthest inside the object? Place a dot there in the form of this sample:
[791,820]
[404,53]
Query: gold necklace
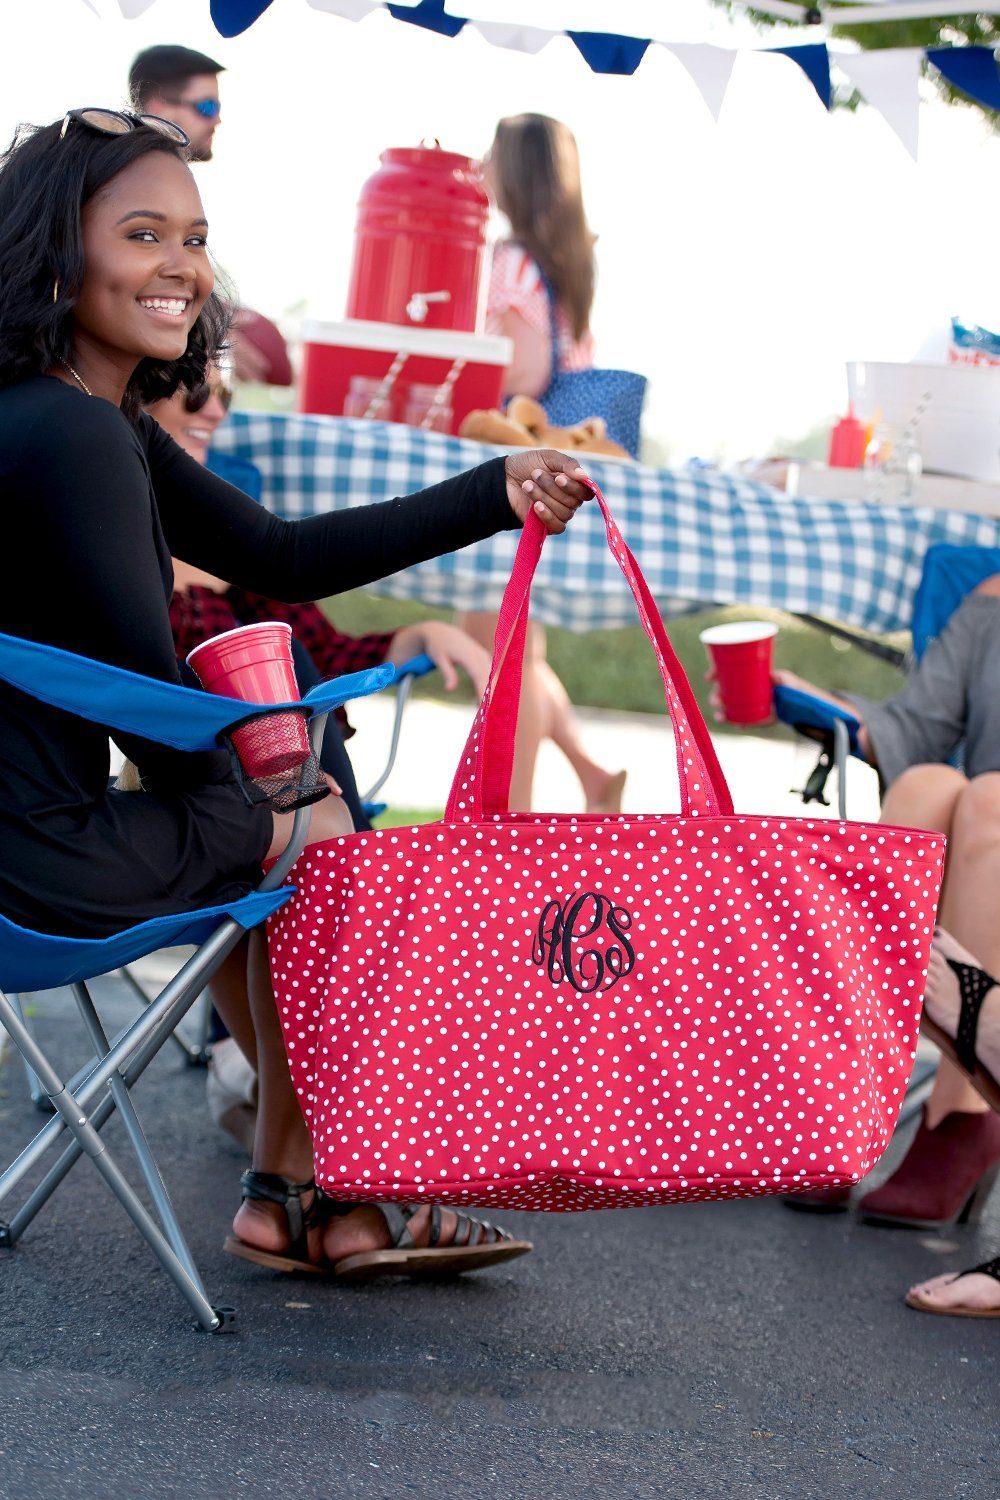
[76,376]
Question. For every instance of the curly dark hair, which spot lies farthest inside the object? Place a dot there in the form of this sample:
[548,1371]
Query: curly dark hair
[44,183]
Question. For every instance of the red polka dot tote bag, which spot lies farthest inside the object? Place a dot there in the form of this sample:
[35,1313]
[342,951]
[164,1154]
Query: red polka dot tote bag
[571,1012]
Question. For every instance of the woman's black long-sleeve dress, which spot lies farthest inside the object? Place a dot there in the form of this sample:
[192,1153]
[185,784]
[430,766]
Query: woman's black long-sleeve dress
[93,508]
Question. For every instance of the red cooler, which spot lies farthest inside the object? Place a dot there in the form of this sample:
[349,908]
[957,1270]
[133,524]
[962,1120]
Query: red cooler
[466,368]
[420,253]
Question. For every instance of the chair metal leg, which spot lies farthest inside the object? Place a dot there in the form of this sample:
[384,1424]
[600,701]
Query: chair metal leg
[197,1053]
[127,1058]
[841,750]
[402,696]
[147,1165]
[39,1097]
[12,1230]
[71,1111]
[143,1038]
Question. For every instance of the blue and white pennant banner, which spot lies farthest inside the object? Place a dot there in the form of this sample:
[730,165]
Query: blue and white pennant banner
[888,79]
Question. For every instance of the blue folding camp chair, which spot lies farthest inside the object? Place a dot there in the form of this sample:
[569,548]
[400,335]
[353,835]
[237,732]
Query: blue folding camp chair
[187,720]
[949,574]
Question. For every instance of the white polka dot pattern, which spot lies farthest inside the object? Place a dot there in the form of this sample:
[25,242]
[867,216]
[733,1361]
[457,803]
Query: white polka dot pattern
[761,1040]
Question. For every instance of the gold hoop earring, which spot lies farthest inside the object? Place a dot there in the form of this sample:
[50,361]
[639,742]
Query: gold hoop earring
[55,290]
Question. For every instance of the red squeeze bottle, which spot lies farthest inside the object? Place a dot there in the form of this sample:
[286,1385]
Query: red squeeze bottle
[847,443]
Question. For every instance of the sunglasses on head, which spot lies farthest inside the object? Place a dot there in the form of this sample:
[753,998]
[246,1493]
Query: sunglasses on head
[209,109]
[120,122]
[195,400]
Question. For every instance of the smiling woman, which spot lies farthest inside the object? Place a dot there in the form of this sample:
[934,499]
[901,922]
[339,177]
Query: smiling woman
[126,205]
[107,304]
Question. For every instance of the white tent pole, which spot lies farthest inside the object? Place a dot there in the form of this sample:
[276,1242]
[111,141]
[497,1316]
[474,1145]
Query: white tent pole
[783,9]
[905,10]
[864,11]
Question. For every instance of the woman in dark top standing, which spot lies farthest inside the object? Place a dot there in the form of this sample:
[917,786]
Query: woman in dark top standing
[106,304]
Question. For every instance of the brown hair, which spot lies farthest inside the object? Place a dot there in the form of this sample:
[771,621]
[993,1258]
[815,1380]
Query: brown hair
[536,174]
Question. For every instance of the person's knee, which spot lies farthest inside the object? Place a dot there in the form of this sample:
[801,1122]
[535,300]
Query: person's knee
[977,814]
[989,585]
[330,819]
[924,796]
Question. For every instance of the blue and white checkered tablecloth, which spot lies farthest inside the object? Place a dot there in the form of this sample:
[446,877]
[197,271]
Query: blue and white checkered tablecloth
[701,537]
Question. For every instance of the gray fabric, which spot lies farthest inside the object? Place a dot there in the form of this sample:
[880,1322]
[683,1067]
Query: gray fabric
[952,697]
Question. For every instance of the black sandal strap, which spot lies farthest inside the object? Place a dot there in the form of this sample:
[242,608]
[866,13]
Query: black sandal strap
[269,1187]
[987,1268]
[397,1222]
[974,984]
[434,1235]
[465,1230]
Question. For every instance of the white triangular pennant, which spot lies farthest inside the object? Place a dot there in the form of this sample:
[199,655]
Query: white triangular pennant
[517,38]
[890,82]
[710,69]
[131,9]
[350,10]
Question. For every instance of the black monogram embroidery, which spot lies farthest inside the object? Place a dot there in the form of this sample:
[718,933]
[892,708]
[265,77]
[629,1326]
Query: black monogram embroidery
[563,928]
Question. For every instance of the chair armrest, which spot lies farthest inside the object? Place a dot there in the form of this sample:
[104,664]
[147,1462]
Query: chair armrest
[805,711]
[184,718]
[417,666]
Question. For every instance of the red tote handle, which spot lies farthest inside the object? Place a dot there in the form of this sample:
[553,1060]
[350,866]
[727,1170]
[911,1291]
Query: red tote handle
[482,782]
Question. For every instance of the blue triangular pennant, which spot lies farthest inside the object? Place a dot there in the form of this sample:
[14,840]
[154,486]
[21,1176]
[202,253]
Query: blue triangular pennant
[430,14]
[971,69]
[233,16]
[606,53]
[814,60]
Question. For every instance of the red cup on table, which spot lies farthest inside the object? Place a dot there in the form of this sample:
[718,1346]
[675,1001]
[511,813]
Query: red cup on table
[254,662]
[741,653]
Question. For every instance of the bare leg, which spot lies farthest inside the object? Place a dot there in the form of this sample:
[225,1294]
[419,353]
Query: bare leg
[969,914]
[933,797]
[228,990]
[545,712]
[602,789]
[281,1143]
[532,711]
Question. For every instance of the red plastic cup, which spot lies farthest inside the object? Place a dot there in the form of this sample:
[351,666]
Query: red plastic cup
[254,662]
[741,653]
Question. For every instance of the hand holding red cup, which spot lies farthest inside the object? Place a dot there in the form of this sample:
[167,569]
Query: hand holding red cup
[742,653]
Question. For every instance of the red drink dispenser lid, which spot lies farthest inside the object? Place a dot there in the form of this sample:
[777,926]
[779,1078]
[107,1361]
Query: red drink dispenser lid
[427,177]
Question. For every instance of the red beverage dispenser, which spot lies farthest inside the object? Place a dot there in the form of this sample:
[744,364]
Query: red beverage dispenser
[410,349]
[420,241]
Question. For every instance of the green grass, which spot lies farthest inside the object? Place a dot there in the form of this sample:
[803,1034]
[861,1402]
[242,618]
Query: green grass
[617,669]
[406,817]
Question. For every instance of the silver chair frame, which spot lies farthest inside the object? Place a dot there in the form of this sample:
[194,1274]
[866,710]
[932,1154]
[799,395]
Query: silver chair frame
[103,1085]
[403,691]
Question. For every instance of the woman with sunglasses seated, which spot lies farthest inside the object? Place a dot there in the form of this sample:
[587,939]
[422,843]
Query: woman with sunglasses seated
[107,304]
[952,698]
[203,606]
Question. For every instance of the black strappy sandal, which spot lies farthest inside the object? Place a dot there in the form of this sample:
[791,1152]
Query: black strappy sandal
[987,1268]
[974,984]
[268,1187]
[476,1243]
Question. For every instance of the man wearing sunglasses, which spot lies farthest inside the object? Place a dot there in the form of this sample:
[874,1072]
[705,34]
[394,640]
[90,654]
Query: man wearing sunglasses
[180,85]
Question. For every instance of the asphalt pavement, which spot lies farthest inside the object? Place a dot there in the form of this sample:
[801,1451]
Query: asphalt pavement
[721,1350]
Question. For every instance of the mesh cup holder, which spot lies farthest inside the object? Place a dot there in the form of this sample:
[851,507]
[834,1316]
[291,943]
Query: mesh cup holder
[273,762]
